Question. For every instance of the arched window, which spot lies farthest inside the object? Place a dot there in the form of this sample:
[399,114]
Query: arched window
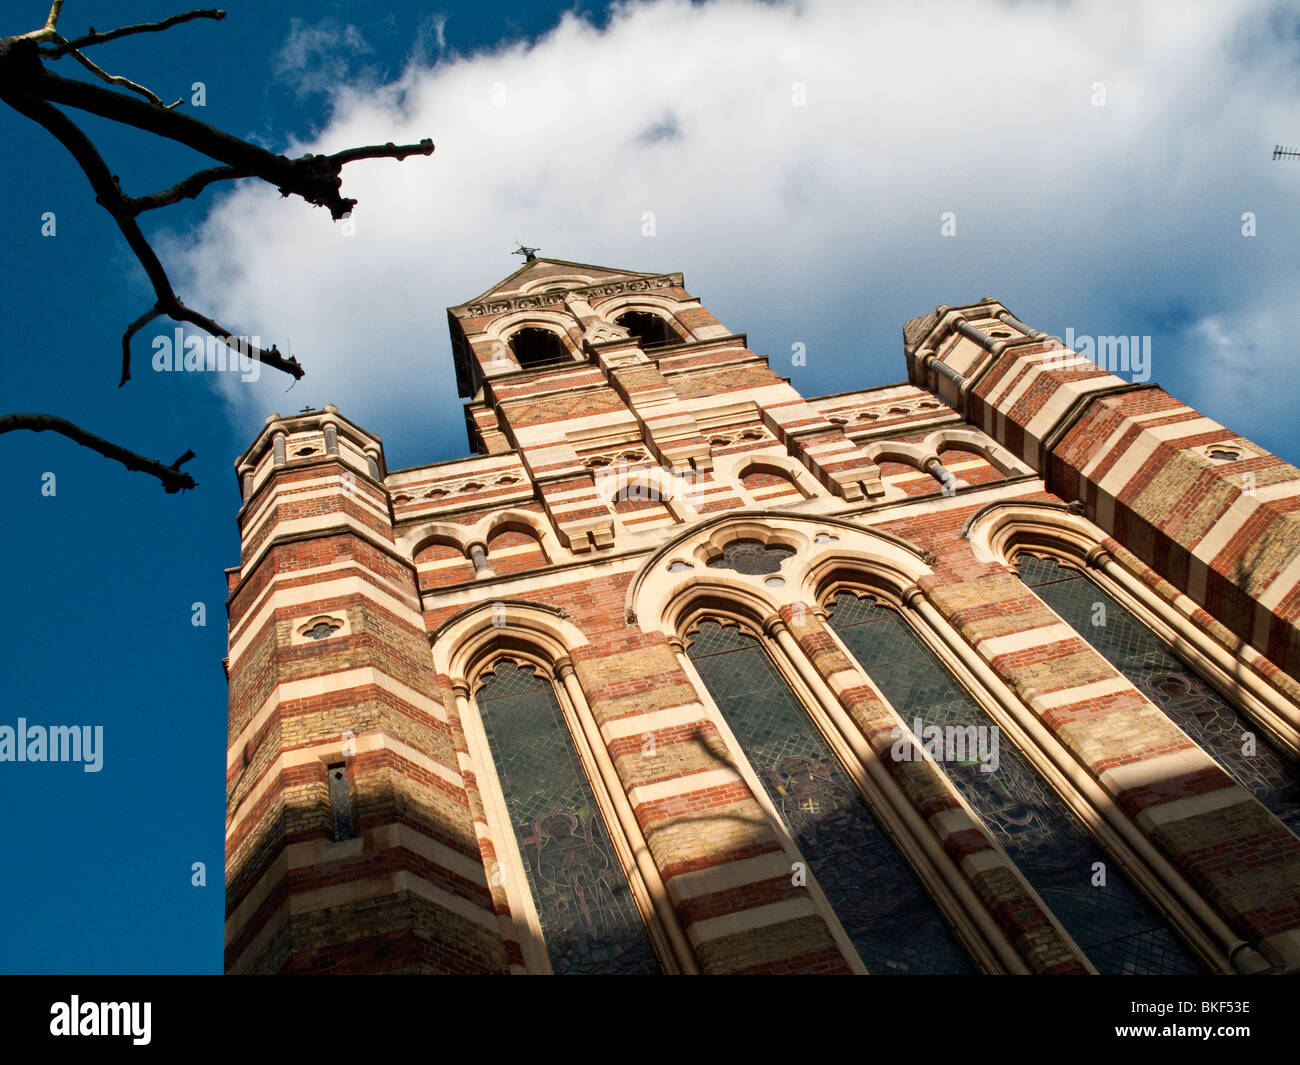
[1185,697]
[879,901]
[649,330]
[537,347]
[589,920]
[1113,925]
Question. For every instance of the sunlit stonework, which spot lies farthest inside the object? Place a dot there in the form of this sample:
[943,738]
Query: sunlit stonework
[681,671]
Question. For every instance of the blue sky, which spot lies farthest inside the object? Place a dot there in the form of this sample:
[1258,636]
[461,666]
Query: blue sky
[794,161]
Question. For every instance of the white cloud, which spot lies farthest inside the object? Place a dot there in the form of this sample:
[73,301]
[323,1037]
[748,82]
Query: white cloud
[817,222]
[1248,366]
[317,58]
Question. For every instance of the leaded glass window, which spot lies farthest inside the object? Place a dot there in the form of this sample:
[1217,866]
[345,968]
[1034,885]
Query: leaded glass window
[589,919]
[1113,925]
[882,906]
[752,557]
[1187,700]
[340,801]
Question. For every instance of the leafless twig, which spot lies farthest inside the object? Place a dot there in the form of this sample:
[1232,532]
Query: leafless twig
[33,91]
[126,31]
[173,480]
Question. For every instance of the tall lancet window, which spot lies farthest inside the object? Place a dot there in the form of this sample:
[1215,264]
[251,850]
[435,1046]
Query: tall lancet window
[1187,700]
[589,919]
[1112,924]
[881,905]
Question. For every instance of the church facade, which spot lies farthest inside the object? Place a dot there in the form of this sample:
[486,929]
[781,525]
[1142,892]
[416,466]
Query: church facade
[991,671]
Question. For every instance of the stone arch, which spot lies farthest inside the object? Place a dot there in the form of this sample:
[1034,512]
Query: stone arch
[735,467]
[896,459]
[898,451]
[536,345]
[644,484]
[440,554]
[467,642]
[441,563]
[649,328]
[501,330]
[514,549]
[974,441]
[722,598]
[417,538]
[519,520]
[768,483]
[502,326]
[664,582]
[663,306]
[996,532]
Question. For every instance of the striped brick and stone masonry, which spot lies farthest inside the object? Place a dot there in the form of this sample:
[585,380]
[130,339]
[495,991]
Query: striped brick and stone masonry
[330,677]
[624,440]
[1215,514]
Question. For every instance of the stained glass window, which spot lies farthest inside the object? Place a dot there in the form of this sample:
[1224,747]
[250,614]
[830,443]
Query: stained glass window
[1187,700]
[589,919]
[752,557]
[879,901]
[1113,925]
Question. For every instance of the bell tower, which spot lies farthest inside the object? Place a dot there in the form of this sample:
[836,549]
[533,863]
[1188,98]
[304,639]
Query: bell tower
[576,366]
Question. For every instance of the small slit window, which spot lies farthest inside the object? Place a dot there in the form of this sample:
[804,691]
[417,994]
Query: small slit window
[341,802]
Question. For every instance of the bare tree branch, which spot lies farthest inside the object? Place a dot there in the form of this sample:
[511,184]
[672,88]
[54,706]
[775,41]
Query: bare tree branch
[173,480]
[32,90]
[125,31]
[28,87]
[313,177]
[376,151]
[117,79]
[110,196]
[131,330]
[107,192]
[316,186]
[196,183]
[267,356]
[51,24]
[182,190]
